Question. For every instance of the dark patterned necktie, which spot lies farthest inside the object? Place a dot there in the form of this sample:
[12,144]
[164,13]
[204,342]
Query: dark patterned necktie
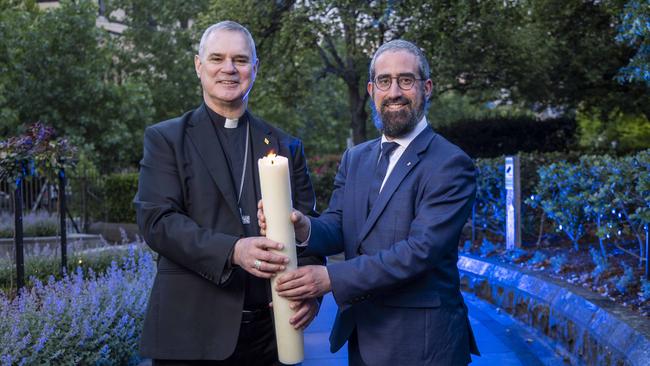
[380,172]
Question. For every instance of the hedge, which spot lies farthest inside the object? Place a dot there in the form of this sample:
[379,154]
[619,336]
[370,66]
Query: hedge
[492,137]
[119,190]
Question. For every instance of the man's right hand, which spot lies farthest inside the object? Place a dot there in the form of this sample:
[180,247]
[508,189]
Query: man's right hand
[301,223]
[254,256]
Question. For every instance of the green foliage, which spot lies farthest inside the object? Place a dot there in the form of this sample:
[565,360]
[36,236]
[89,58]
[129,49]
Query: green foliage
[45,261]
[492,137]
[489,209]
[561,192]
[57,67]
[591,195]
[634,31]
[451,107]
[119,190]
[323,170]
[157,48]
[614,131]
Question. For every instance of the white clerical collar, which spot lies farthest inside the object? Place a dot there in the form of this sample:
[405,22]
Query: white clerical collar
[231,123]
[405,140]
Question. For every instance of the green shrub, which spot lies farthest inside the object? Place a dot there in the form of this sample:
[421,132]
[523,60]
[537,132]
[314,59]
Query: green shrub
[613,131]
[323,170]
[119,190]
[492,137]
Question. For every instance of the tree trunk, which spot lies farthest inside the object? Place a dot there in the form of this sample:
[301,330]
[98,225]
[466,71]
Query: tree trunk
[358,114]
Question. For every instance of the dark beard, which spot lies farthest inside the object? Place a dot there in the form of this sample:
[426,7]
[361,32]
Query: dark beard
[398,123]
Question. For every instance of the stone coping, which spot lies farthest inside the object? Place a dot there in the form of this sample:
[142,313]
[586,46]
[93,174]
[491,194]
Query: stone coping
[590,328]
[35,243]
[47,239]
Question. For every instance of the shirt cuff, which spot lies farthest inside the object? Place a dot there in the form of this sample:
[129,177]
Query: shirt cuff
[306,242]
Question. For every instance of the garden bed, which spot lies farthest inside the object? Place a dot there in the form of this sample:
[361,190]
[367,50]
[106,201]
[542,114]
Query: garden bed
[619,278]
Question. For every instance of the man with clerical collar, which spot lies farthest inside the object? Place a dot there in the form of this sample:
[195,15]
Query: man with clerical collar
[196,203]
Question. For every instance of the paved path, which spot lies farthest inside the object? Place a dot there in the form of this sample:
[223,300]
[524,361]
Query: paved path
[502,340]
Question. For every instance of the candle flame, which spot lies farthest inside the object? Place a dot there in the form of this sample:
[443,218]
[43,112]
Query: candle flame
[271,154]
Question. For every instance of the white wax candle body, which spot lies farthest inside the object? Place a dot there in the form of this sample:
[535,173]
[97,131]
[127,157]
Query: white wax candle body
[276,195]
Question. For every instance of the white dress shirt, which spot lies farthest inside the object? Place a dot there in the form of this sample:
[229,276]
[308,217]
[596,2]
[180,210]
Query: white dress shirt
[403,143]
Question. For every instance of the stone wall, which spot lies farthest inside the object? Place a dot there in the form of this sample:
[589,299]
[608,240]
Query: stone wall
[592,329]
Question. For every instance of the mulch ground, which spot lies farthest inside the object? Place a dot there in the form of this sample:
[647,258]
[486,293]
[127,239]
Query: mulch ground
[579,268]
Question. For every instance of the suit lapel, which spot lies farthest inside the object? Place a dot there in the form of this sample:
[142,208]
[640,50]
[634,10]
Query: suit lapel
[409,159]
[365,175]
[262,143]
[203,136]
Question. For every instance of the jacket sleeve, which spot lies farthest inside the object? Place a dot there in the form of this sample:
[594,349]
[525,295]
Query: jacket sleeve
[162,218]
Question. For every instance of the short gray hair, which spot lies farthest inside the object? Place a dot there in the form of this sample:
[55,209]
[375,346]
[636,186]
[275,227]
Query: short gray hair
[228,25]
[401,45]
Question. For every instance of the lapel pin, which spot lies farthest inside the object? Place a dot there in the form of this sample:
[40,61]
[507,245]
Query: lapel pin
[266,141]
[408,164]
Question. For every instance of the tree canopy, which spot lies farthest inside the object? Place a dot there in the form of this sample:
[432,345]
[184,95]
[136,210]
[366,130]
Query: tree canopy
[487,59]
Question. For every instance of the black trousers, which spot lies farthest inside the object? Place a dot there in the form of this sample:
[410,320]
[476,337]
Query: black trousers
[256,346]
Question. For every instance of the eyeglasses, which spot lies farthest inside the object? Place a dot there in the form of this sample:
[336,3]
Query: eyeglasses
[405,82]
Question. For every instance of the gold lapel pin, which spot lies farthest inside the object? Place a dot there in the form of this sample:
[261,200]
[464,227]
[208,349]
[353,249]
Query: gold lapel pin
[266,141]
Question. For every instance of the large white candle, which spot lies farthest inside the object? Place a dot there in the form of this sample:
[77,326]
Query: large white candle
[276,195]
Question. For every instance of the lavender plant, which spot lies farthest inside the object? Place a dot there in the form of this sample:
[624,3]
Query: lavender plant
[41,262]
[39,223]
[83,319]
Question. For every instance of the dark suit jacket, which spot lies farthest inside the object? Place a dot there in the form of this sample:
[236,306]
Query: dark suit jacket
[187,212]
[399,284]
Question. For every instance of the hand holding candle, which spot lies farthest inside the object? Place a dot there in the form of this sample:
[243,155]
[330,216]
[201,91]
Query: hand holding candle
[276,194]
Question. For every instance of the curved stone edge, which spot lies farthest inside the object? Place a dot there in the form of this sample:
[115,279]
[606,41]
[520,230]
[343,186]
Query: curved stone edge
[592,329]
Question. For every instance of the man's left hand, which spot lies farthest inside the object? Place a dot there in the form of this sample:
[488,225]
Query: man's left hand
[306,282]
[306,311]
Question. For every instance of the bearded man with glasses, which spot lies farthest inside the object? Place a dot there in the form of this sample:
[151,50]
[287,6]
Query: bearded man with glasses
[397,210]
